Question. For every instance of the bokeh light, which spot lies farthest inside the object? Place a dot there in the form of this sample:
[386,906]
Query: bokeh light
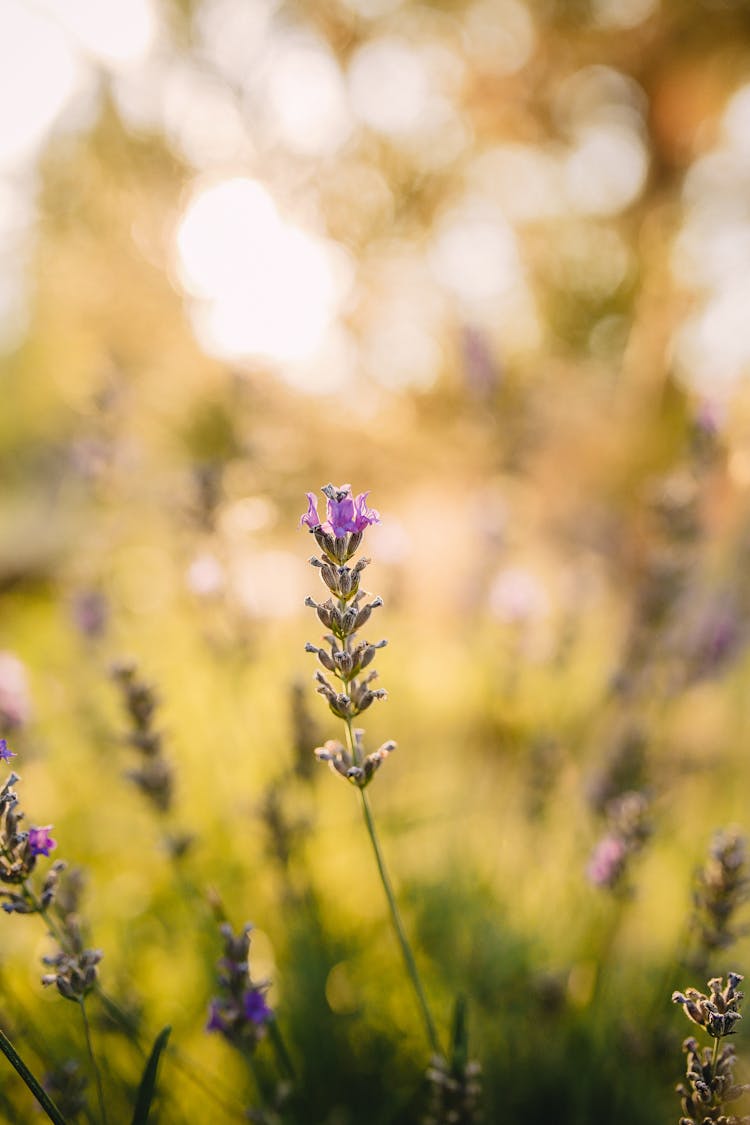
[263,287]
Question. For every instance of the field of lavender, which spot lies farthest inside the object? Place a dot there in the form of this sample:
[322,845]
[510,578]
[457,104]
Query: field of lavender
[487,261]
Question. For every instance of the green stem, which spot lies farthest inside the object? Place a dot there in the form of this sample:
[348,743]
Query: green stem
[259,1083]
[398,925]
[92,1059]
[279,1047]
[33,1084]
[411,965]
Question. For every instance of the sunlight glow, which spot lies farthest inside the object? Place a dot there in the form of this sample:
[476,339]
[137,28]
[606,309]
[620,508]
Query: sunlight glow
[475,253]
[711,256]
[37,78]
[119,33]
[606,170]
[308,98]
[500,35]
[389,86]
[264,288]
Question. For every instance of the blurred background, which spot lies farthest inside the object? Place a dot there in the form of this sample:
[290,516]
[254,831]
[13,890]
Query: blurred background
[489,259]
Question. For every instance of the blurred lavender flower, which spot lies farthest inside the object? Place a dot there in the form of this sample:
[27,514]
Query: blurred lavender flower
[5,753]
[481,370]
[74,967]
[721,886]
[628,829]
[240,1013]
[67,1085]
[607,863]
[15,701]
[154,777]
[90,613]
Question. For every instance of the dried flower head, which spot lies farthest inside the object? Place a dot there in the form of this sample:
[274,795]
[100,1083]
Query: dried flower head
[720,1011]
[709,1082]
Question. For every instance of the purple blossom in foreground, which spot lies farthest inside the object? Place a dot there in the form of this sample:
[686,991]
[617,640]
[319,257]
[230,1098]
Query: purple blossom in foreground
[255,1008]
[345,513]
[5,753]
[40,841]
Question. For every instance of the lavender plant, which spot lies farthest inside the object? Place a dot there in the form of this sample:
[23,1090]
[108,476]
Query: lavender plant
[345,657]
[73,966]
[55,895]
[241,1014]
[709,1080]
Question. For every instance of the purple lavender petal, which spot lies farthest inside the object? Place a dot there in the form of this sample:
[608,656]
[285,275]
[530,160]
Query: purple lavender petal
[256,1009]
[40,841]
[311,517]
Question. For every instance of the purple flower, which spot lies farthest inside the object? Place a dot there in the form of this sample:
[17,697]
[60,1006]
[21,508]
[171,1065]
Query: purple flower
[607,862]
[341,513]
[255,1008]
[364,516]
[215,1021]
[5,753]
[345,513]
[40,841]
[311,517]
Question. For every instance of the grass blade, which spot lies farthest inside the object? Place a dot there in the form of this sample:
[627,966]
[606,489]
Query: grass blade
[147,1088]
[33,1084]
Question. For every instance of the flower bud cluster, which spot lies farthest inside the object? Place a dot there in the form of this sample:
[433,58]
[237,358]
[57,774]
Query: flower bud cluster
[709,1083]
[154,777]
[343,613]
[74,967]
[240,1013]
[75,974]
[709,1086]
[717,1013]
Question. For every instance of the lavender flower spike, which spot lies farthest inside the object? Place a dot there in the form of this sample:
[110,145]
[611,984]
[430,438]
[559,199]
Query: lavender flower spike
[40,841]
[5,753]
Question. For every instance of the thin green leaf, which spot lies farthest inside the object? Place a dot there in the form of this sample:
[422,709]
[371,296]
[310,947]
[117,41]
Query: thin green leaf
[33,1084]
[460,1037]
[147,1088]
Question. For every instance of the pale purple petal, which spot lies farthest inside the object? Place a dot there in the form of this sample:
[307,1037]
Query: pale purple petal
[341,516]
[311,517]
[40,841]
[364,516]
